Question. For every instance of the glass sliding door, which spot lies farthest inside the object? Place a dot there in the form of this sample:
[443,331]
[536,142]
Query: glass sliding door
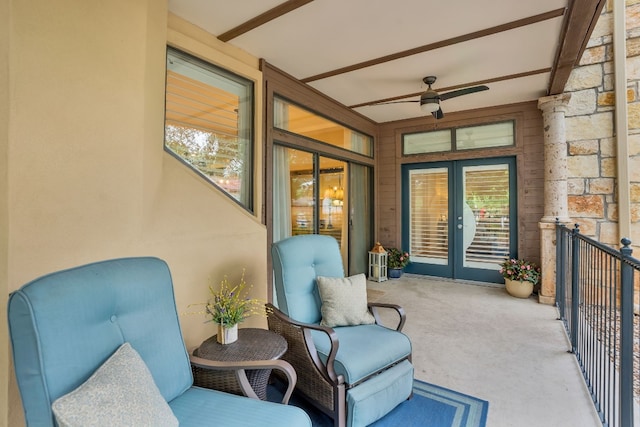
[314,194]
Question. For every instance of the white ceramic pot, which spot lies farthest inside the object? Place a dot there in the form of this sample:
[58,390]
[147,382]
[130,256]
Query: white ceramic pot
[519,288]
[227,335]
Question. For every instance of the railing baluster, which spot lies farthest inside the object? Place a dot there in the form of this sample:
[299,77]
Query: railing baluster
[626,338]
[560,260]
[575,290]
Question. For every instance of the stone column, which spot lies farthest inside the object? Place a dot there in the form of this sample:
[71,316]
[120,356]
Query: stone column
[555,188]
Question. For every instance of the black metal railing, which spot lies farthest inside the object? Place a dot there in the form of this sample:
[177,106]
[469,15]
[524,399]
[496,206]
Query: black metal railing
[595,300]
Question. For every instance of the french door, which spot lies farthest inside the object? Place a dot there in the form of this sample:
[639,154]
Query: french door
[459,217]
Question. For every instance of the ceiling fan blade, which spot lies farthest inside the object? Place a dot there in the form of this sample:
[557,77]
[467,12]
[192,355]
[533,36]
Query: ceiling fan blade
[394,102]
[438,114]
[461,92]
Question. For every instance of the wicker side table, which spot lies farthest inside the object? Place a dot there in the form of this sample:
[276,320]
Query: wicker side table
[252,344]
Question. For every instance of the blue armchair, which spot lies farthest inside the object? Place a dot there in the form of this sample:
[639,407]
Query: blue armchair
[65,325]
[354,373]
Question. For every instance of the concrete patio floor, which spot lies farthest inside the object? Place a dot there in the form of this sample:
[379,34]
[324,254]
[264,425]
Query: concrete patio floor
[476,339]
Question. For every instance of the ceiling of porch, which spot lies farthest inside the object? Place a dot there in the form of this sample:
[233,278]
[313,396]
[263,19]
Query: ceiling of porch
[364,52]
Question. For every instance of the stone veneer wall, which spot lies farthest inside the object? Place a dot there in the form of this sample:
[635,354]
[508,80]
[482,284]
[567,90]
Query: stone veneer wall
[591,144]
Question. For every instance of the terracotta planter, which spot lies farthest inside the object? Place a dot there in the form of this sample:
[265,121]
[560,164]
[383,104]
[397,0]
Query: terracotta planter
[518,288]
[227,335]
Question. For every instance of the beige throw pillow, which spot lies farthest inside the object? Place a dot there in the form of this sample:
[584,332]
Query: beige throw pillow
[120,393]
[344,301]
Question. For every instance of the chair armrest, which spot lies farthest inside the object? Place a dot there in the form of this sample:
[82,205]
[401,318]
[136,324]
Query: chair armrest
[327,371]
[240,368]
[374,306]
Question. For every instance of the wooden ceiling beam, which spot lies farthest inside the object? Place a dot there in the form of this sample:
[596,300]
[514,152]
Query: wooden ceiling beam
[262,19]
[579,22]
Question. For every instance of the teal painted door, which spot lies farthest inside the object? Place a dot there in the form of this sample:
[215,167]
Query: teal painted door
[459,217]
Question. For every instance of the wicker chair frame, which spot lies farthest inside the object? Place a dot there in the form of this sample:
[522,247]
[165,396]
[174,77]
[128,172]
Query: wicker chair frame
[232,376]
[318,382]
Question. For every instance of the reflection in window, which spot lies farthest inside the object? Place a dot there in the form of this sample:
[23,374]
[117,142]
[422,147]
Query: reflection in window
[208,123]
[295,119]
[331,210]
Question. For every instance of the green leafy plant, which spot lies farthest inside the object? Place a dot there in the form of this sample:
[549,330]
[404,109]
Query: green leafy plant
[397,258]
[230,305]
[520,270]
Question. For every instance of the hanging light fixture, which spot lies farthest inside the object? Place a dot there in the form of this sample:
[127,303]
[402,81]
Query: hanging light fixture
[338,196]
[430,101]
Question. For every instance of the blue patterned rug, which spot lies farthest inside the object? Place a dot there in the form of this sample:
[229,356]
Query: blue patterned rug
[430,406]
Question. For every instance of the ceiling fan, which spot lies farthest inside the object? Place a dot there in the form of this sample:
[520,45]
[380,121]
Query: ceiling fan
[430,99]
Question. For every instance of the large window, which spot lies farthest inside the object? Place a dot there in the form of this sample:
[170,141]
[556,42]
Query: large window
[209,123]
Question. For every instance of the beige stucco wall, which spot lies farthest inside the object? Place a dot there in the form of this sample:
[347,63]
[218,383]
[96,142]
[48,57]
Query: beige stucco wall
[88,178]
[4,211]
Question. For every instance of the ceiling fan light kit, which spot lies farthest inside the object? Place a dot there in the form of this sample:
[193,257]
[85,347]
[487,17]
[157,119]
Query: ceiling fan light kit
[429,104]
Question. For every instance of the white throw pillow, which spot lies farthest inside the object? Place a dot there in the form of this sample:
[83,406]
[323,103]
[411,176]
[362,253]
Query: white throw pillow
[344,301]
[121,392]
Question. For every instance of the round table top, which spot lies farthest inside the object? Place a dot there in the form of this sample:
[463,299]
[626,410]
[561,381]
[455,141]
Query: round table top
[252,344]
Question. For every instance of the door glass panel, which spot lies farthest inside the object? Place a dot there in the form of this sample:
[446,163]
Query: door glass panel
[486,215]
[332,215]
[429,201]
[302,192]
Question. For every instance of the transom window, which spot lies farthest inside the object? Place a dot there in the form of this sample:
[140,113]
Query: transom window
[457,139]
[209,123]
[292,118]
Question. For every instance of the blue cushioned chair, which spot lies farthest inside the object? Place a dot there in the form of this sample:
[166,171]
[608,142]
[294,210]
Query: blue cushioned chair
[64,325]
[355,374]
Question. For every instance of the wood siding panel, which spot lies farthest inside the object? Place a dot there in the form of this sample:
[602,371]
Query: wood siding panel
[529,153]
